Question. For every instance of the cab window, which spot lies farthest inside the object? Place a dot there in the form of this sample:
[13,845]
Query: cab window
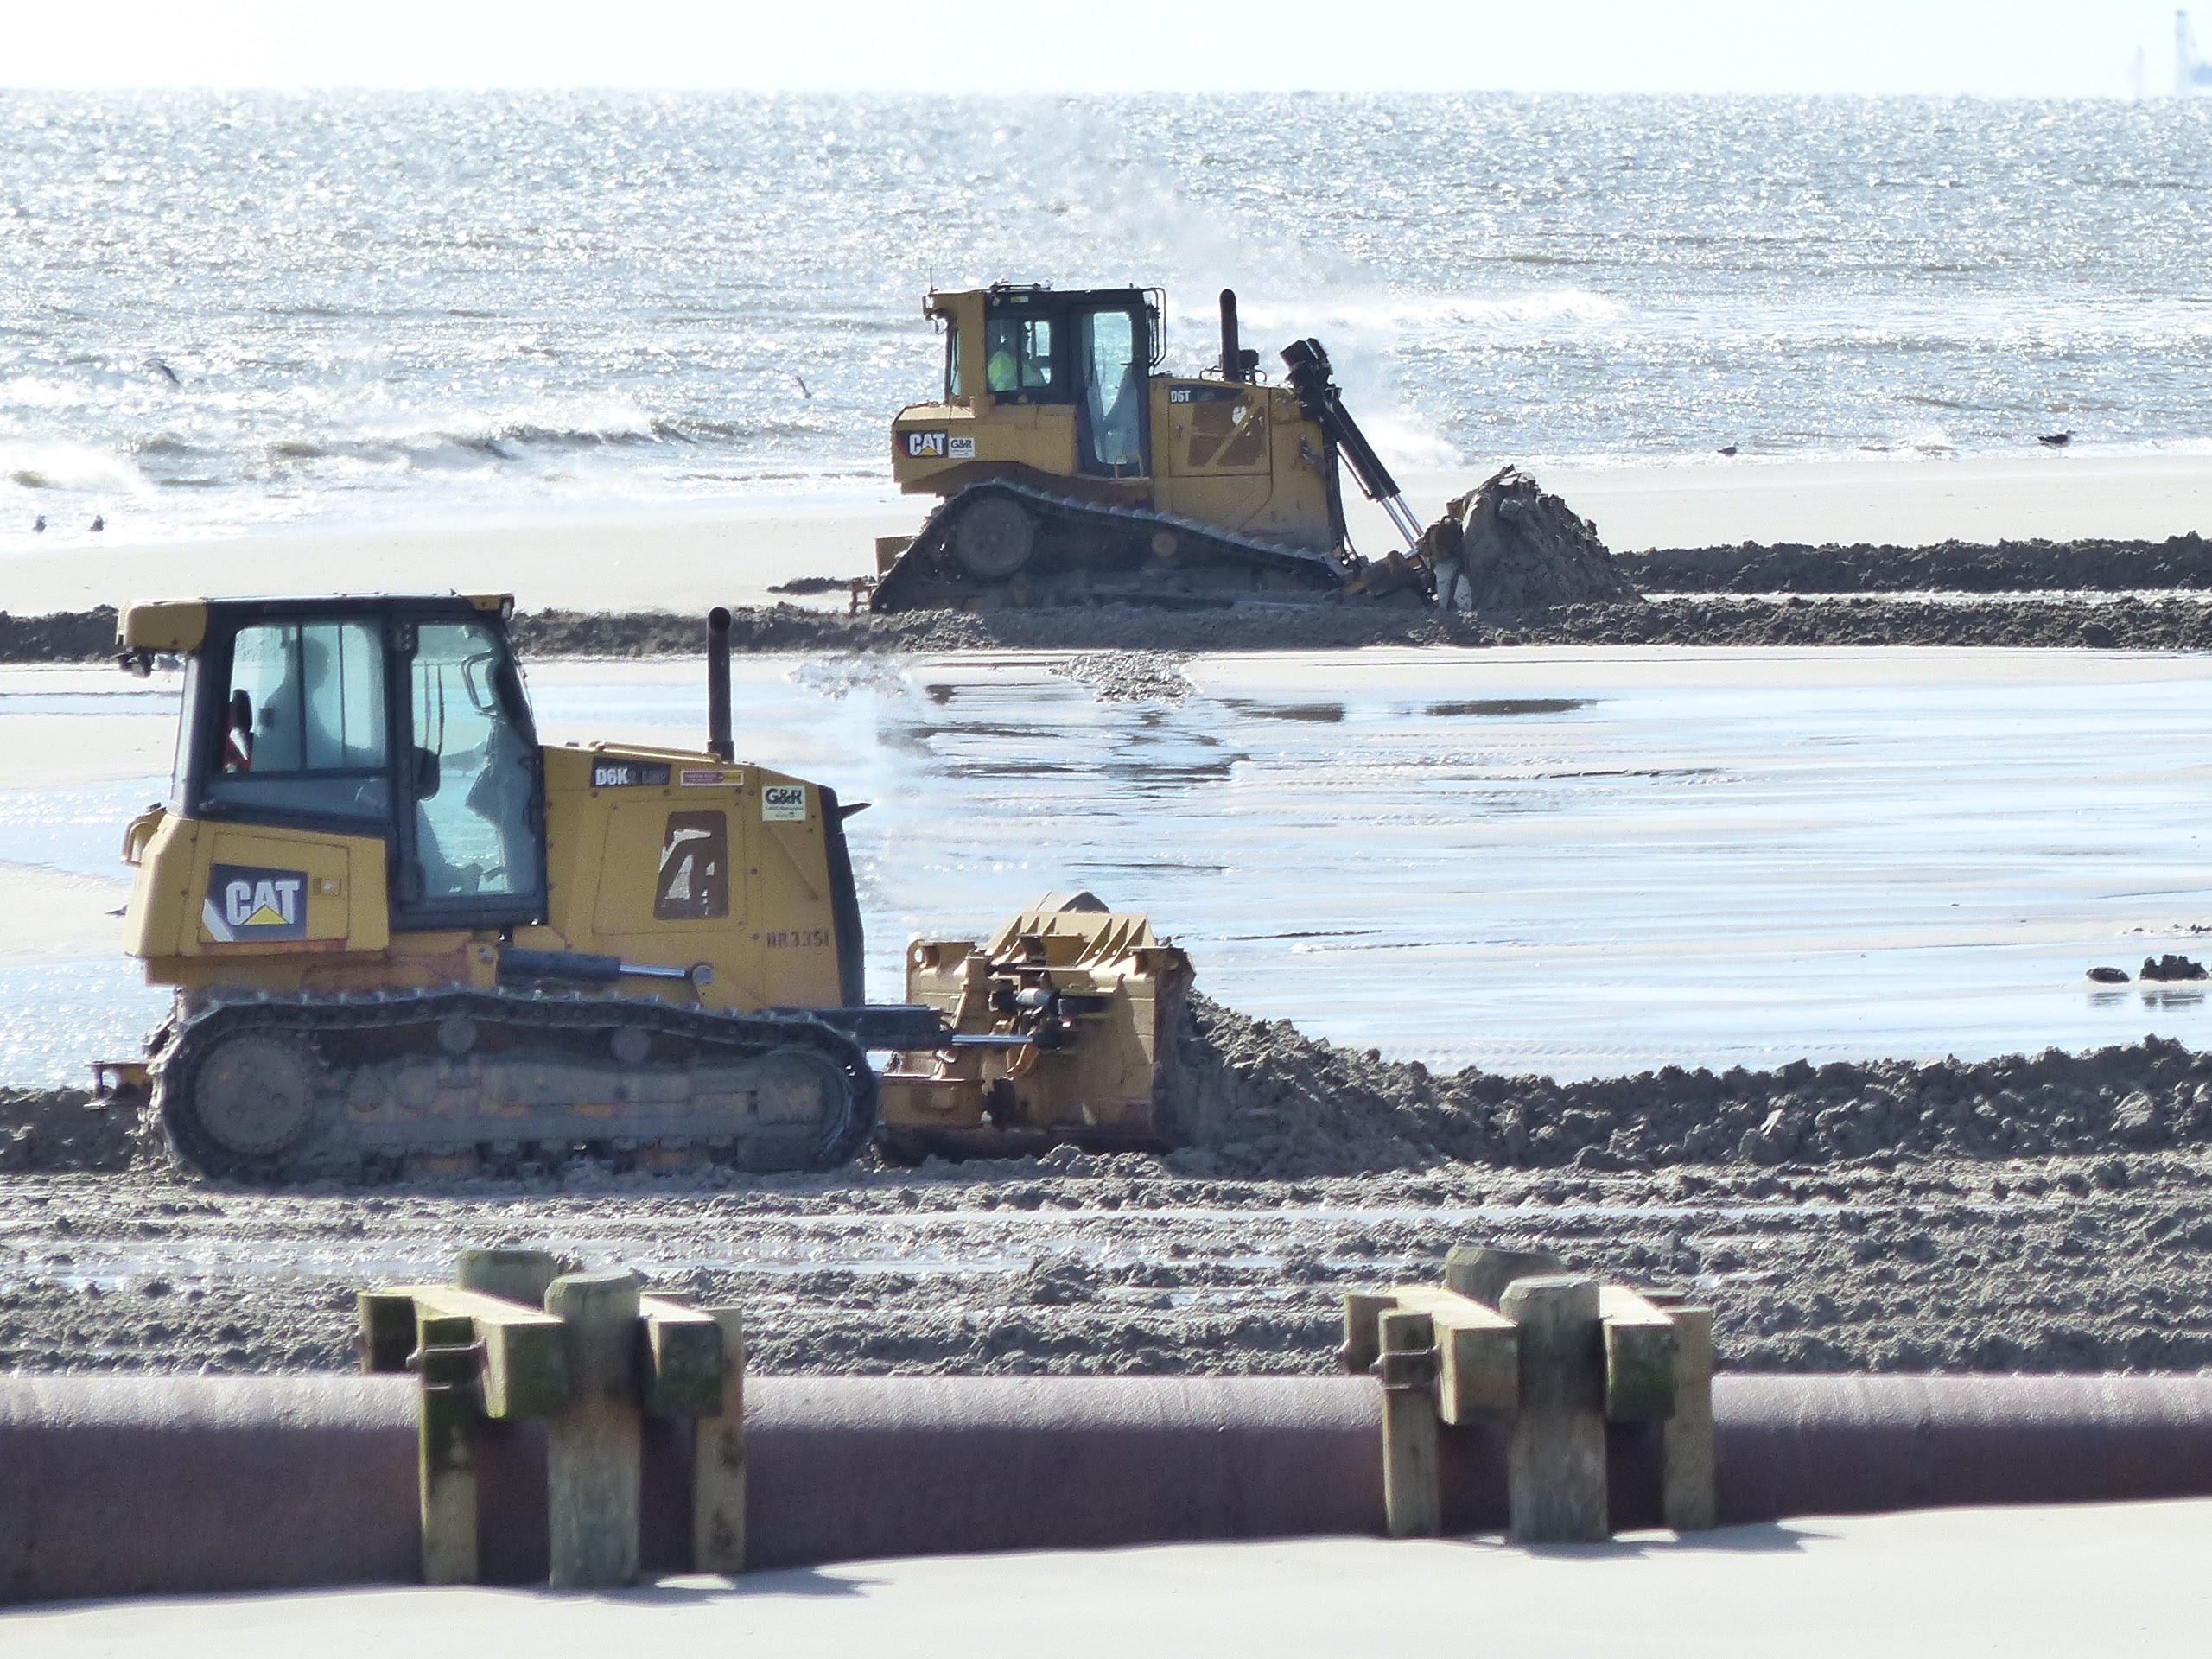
[303,721]
[1018,354]
[951,362]
[1113,394]
[474,769]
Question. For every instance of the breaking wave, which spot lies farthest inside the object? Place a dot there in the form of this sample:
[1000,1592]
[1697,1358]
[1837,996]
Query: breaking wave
[469,302]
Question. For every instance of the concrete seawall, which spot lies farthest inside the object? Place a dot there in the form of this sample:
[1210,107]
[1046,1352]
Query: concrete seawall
[118,1485]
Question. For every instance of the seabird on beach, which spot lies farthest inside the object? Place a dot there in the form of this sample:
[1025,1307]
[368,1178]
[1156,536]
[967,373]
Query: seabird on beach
[2054,440]
[1730,450]
[98,523]
[161,368]
[38,525]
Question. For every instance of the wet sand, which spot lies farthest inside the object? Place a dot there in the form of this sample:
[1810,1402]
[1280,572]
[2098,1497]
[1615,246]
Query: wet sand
[689,561]
[49,913]
[1503,857]
[2049,1214]
[2011,1238]
[1106,1266]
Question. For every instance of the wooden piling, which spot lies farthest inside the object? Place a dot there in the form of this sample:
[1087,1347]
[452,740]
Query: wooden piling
[682,1358]
[1413,1507]
[1362,1343]
[718,1463]
[446,1445]
[520,1358]
[1478,1271]
[517,1275]
[1555,1457]
[1688,1435]
[387,1329]
[1642,1352]
[592,1444]
[1478,1353]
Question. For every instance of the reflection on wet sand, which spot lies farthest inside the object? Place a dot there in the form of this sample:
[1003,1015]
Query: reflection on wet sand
[1505,708]
[1574,861]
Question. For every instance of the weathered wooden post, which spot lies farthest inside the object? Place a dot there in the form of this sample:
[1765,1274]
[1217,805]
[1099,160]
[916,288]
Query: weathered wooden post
[513,1275]
[596,1358]
[718,1463]
[1363,1346]
[1478,1353]
[1640,1356]
[445,1357]
[1555,1456]
[592,1444]
[1412,1506]
[479,1356]
[1482,1274]
[1687,1434]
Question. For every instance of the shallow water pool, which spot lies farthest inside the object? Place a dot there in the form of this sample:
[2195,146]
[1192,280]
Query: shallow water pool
[1574,861]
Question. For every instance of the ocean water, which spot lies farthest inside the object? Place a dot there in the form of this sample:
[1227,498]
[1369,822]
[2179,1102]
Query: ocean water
[223,311]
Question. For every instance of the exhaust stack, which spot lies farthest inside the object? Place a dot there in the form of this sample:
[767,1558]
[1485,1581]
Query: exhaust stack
[1233,365]
[718,733]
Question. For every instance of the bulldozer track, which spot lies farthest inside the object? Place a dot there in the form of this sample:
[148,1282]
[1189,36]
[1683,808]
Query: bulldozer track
[280,1089]
[1210,566]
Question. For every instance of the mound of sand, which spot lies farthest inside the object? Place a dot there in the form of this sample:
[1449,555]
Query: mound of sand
[1260,1100]
[62,637]
[1508,548]
[2179,562]
[63,1128]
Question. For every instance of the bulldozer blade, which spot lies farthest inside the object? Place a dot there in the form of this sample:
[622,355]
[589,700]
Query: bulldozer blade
[1062,1031]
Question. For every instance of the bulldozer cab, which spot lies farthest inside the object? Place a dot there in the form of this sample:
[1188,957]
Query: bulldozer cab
[1092,349]
[401,719]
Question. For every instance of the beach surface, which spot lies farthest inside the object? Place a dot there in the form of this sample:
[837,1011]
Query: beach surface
[1502,857]
[696,556]
[2107,1579]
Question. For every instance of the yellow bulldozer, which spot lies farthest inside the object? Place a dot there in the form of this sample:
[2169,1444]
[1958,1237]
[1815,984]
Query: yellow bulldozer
[1072,471]
[405,935]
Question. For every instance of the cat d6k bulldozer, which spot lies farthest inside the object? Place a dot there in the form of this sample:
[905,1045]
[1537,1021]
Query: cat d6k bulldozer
[403,934]
[1074,472]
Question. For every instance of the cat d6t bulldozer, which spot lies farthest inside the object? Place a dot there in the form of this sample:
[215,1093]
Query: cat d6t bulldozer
[403,935]
[1072,471]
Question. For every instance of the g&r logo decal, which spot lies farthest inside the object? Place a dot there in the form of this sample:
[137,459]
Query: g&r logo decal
[247,903]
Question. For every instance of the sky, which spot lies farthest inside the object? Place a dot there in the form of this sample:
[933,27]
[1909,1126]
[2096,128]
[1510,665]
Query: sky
[1983,47]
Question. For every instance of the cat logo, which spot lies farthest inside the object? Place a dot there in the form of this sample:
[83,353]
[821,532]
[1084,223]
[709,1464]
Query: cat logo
[246,905]
[926,445]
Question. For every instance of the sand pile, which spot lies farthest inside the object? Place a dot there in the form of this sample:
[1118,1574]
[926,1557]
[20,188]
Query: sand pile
[753,628]
[1262,1101]
[62,637]
[2181,621]
[62,1128]
[1507,548]
[2179,562]
[1699,601]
